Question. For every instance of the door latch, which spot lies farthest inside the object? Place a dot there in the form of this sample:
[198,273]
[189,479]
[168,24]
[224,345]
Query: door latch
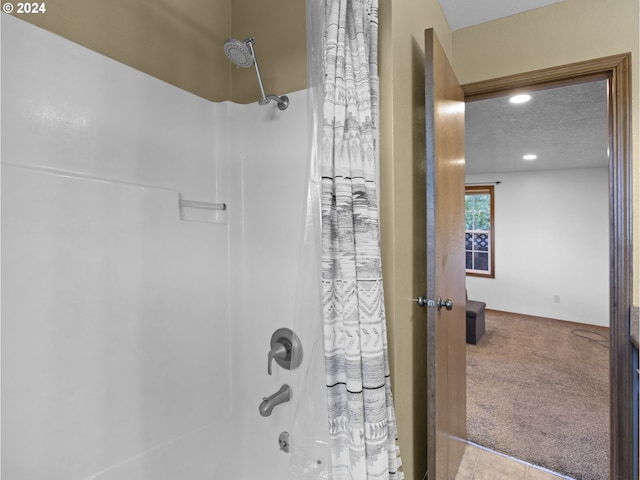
[425,302]
[439,302]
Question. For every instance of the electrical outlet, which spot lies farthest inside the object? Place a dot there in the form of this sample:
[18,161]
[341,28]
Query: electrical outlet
[556,299]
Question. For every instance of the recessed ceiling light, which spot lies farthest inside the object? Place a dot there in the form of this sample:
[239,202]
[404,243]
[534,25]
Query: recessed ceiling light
[520,98]
[530,156]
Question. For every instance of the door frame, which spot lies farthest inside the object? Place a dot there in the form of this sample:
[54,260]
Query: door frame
[617,69]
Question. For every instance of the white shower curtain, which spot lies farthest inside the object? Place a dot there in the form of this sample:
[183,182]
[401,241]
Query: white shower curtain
[362,428]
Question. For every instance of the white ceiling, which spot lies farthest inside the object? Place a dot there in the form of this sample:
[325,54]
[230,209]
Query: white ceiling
[465,13]
[566,127]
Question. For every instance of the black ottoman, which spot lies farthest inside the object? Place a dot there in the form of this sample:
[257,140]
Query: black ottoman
[475,321]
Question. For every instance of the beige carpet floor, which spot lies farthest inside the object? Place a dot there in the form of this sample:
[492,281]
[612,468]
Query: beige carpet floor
[538,390]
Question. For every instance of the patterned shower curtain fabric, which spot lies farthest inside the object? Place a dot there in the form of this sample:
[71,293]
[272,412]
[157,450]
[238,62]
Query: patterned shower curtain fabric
[362,427]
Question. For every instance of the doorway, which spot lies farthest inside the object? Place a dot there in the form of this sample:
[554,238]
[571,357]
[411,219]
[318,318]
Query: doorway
[537,380]
[615,69]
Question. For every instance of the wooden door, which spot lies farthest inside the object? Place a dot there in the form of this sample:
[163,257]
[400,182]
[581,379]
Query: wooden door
[445,296]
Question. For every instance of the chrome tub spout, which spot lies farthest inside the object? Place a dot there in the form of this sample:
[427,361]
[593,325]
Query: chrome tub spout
[281,396]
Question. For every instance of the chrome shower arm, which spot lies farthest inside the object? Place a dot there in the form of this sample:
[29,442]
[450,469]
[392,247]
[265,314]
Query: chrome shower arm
[249,41]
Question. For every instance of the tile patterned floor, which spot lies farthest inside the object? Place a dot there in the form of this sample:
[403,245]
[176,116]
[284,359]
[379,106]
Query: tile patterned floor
[479,463]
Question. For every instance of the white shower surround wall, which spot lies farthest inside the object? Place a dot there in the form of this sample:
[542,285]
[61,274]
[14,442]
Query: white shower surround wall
[134,344]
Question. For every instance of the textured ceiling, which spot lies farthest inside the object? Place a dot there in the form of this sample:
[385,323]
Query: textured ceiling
[566,127]
[465,13]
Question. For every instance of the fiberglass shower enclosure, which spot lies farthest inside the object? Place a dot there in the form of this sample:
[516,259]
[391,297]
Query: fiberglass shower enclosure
[135,324]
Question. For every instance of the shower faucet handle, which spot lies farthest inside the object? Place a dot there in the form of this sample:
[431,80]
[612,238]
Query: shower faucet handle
[278,351]
[286,350]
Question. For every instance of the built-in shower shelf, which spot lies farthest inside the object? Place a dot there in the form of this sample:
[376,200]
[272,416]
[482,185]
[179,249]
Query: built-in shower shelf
[198,211]
[203,205]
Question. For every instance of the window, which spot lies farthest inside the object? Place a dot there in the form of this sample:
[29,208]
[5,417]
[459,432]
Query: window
[479,238]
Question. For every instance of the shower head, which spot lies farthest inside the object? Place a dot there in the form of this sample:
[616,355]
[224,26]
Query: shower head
[239,52]
[243,55]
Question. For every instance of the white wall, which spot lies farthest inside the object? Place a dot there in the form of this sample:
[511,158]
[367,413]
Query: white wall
[134,344]
[551,238]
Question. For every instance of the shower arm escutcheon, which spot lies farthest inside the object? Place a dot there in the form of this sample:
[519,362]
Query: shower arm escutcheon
[286,350]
